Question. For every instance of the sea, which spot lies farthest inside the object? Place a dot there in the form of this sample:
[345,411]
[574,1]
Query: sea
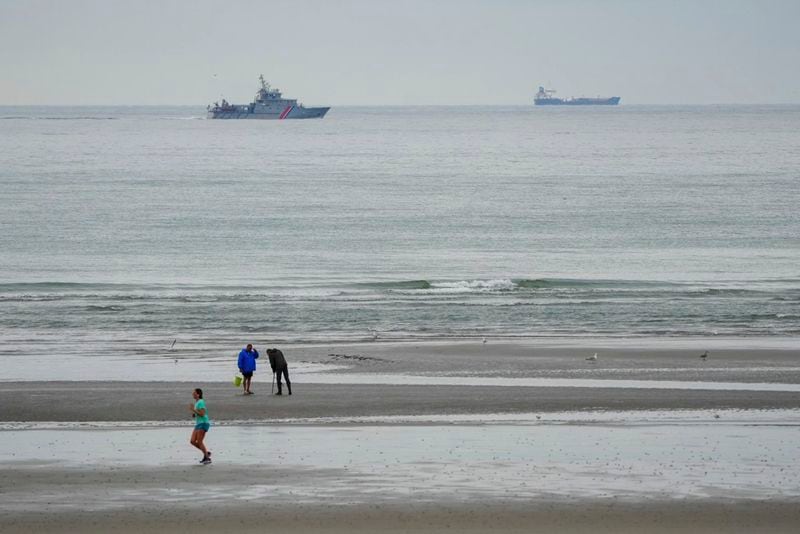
[124,230]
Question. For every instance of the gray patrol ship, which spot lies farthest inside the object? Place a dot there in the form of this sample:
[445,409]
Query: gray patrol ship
[267,104]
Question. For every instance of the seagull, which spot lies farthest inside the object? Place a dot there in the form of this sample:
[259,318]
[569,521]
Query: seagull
[374,335]
[592,358]
[484,341]
[704,355]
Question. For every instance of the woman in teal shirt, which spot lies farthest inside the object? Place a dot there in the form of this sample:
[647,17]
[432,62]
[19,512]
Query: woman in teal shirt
[201,424]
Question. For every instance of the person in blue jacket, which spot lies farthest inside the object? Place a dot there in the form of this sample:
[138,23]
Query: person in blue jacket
[247,366]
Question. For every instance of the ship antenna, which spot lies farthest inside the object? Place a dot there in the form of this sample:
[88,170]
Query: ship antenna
[263,82]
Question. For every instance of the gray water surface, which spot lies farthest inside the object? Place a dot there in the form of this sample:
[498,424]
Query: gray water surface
[125,228]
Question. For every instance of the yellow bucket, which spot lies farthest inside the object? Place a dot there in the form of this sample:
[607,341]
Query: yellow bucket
[237,380]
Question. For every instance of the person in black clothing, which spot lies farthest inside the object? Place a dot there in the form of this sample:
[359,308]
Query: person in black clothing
[278,364]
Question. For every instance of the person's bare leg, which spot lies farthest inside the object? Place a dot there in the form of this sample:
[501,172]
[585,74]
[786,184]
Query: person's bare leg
[197,441]
[201,434]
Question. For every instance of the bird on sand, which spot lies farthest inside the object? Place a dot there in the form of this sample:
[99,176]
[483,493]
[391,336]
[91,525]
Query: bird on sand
[483,341]
[592,358]
[704,355]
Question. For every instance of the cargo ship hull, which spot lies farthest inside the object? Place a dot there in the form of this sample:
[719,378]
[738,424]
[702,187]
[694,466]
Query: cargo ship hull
[545,98]
[613,101]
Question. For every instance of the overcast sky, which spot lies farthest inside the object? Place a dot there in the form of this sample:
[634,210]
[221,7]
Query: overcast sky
[375,52]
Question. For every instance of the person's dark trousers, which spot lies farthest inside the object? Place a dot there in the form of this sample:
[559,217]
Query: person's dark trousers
[285,371]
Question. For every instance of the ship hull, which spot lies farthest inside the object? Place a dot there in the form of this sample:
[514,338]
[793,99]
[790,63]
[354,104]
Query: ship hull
[613,101]
[247,112]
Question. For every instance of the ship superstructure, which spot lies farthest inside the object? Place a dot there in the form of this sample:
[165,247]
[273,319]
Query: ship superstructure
[267,104]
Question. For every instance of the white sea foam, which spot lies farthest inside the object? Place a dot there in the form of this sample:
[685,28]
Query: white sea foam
[469,286]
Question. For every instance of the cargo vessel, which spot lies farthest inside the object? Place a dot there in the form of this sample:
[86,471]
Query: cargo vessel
[267,104]
[545,98]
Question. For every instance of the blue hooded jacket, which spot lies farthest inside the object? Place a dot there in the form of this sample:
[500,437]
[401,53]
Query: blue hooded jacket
[247,360]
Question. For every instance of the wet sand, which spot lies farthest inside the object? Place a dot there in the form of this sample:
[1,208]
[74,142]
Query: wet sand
[378,379]
[160,401]
[479,517]
[694,473]
[708,476]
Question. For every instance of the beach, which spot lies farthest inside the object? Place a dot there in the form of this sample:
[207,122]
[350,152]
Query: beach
[458,436]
